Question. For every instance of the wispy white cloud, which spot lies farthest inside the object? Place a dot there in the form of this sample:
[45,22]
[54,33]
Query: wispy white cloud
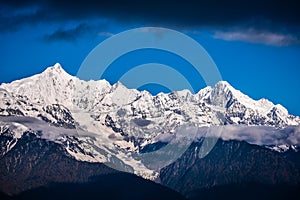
[259,135]
[152,29]
[105,34]
[260,37]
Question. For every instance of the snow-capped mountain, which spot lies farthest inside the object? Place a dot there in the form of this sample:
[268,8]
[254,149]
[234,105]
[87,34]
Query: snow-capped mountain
[99,122]
[56,87]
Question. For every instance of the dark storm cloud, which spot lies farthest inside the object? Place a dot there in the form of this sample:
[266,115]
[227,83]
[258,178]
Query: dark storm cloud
[280,16]
[70,34]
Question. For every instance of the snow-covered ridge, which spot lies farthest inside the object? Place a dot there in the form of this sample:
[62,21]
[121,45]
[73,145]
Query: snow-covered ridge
[98,98]
[108,120]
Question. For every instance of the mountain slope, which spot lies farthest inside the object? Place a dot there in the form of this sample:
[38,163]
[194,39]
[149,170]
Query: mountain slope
[230,163]
[34,162]
[45,171]
[115,186]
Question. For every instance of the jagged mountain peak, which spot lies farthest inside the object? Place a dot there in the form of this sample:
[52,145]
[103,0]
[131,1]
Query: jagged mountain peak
[119,85]
[281,109]
[56,66]
[229,91]
[56,71]
[223,94]
[223,83]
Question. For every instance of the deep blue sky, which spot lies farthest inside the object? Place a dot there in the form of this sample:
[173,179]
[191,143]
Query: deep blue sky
[256,48]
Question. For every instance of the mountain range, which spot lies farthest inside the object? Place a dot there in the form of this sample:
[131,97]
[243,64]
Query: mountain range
[57,129]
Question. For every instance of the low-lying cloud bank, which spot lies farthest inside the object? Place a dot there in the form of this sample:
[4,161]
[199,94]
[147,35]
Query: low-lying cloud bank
[260,135]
